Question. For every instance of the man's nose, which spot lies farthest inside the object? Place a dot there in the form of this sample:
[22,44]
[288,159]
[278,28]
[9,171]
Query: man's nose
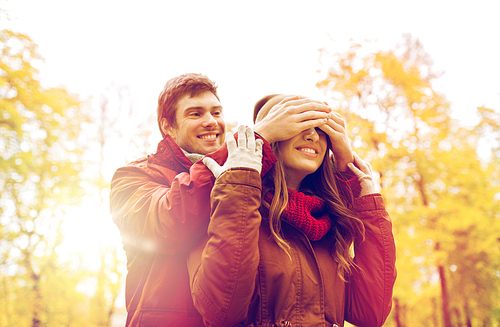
[209,120]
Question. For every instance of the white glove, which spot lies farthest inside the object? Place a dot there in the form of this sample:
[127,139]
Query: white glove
[364,174]
[246,153]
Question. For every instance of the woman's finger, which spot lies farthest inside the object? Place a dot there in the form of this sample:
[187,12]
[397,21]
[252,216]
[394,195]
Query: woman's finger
[231,142]
[364,166]
[258,146]
[242,138]
[355,170]
[250,136]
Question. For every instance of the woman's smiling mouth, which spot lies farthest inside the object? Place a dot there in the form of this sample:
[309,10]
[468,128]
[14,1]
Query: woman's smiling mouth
[308,151]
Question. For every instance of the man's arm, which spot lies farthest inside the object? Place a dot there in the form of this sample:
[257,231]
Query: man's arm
[158,216]
[162,216]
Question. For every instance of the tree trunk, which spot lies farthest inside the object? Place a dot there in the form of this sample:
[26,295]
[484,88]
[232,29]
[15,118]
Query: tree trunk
[37,295]
[445,298]
[37,301]
[435,320]
[397,313]
[456,319]
[468,323]
[421,189]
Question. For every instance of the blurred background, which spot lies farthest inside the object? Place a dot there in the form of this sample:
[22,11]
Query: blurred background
[417,82]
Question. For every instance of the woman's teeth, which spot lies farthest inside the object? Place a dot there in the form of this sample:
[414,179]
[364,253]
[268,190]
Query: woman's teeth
[307,150]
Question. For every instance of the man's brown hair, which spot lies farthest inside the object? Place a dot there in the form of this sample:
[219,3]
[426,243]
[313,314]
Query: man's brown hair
[192,84]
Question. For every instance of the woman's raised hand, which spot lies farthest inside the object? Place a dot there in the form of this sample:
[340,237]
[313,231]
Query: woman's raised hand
[341,145]
[364,174]
[246,153]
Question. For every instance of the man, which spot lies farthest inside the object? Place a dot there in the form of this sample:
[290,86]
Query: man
[161,203]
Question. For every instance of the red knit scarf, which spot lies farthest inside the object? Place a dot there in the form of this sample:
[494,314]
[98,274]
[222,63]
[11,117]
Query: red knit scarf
[306,213]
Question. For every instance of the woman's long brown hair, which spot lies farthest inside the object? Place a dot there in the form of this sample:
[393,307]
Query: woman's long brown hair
[346,226]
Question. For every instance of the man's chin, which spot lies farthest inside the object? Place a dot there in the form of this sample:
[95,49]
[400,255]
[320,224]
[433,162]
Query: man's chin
[209,149]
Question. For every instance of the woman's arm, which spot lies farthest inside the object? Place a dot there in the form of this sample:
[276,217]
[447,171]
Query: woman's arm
[223,268]
[341,145]
[369,292]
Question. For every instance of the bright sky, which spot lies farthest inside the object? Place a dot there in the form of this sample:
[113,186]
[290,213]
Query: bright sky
[250,48]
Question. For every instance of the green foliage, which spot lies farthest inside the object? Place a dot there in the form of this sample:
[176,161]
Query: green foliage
[442,198]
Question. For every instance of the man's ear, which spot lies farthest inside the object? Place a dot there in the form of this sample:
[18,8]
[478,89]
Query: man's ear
[166,128]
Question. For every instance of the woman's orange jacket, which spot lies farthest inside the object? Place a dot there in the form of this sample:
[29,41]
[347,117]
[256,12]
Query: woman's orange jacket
[240,276]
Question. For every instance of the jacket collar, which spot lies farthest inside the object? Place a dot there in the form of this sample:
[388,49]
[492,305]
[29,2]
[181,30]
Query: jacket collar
[170,155]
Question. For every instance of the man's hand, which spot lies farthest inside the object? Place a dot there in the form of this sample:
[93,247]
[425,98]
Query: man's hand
[291,116]
[246,153]
[341,145]
[364,174]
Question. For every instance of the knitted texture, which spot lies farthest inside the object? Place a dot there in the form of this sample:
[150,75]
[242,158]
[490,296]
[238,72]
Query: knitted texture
[306,213]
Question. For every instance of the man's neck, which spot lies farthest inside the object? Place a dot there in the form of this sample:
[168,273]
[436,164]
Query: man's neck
[194,157]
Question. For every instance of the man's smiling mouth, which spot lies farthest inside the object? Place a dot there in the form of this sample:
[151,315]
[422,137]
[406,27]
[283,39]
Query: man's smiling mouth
[208,136]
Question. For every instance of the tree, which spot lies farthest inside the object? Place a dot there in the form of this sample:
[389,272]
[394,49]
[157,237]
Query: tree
[440,195]
[39,179]
[53,148]
[114,125]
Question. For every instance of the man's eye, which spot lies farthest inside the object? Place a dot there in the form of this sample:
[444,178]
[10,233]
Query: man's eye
[217,113]
[194,114]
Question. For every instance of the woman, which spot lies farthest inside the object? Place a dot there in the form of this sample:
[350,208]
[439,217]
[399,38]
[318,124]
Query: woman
[287,262]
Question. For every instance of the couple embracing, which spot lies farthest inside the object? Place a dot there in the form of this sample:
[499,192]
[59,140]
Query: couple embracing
[279,225]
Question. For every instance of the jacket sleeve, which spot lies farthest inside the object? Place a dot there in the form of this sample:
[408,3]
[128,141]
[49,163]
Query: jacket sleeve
[369,291]
[347,183]
[167,214]
[223,268]
[348,186]
[158,214]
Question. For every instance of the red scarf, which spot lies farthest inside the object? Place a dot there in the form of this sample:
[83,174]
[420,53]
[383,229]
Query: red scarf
[307,213]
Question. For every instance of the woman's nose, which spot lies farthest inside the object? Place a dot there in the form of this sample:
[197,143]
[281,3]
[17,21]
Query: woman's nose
[311,134]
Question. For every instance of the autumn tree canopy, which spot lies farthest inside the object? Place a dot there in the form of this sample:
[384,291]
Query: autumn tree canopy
[444,200]
[40,178]
[443,197]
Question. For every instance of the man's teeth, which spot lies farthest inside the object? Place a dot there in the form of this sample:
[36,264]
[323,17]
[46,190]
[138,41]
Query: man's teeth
[208,137]
[308,150]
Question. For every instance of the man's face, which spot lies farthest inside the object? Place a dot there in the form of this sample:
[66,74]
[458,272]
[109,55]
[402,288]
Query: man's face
[200,124]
